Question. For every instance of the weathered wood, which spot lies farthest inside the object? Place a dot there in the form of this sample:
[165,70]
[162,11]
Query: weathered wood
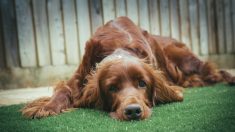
[144,15]
[70,30]
[154,17]
[56,32]
[220,26]
[233,24]
[225,61]
[228,26]
[212,45]
[108,10]
[193,14]
[120,7]
[25,33]
[96,14]
[165,17]
[41,32]
[174,14]
[203,27]
[84,27]
[9,31]
[16,77]
[2,52]
[184,18]
[132,10]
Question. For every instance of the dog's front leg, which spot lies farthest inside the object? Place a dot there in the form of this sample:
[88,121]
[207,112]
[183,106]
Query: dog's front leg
[48,106]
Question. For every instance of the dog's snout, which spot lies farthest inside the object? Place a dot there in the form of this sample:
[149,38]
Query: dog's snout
[133,111]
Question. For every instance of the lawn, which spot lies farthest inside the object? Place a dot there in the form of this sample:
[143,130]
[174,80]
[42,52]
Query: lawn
[204,109]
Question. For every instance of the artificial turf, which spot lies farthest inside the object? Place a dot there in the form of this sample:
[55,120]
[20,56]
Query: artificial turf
[203,109]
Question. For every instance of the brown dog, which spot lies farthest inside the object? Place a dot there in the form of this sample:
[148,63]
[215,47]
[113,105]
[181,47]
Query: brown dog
[126,71]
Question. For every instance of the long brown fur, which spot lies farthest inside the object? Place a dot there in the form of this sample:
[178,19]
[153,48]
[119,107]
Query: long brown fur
[168,66]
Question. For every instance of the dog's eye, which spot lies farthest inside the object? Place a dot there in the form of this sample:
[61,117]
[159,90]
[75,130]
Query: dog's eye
[142,84]
[113,88]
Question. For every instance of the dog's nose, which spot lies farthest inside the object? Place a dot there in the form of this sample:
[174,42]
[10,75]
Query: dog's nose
[133,111]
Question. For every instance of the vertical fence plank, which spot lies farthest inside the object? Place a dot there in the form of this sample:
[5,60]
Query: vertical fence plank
[70,30]
[84,28]
[108,10]
[42,32]
[211,27]
[174,14]
[165,17]
[228,26]
[154,17]
[25,33]
[220,26]
[56,32]
[233,23]
[96,14]
[184,18]
[9,31]
[2,53]
[203,27]
[144,15]
[193,13]
[132,10]
[120,8]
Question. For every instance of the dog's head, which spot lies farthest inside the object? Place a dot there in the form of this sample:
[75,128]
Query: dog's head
[127,87]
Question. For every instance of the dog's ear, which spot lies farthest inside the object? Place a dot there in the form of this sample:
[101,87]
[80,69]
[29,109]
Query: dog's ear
[163,92]
[90,94]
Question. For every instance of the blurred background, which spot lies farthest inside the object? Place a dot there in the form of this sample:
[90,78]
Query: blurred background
[42,41]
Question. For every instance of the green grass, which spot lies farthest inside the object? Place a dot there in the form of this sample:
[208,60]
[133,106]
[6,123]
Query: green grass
[204,109]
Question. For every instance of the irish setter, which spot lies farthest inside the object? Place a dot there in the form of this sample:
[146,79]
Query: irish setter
[126,71]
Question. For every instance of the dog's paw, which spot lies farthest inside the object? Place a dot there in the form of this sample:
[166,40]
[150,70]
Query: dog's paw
[39,108]
[45,112]
[180,95]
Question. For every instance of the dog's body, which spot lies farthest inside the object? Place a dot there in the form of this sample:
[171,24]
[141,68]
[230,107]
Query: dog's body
[126,71]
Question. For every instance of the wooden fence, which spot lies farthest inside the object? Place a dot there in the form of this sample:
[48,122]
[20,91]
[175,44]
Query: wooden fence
[35,34]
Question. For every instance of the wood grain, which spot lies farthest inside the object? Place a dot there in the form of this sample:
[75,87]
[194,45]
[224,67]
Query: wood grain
[84,26]
[9,33]
[70,31]
[96,14]
[108,10]
[120,8]
[132,10]
[165,19]
[25,34]
[203,27]
[41,32]
[194,26]
[154,17]
[56,32]
[144,15]
[174,17]
[220,26]
[212,45]
[228,26]
[185,27]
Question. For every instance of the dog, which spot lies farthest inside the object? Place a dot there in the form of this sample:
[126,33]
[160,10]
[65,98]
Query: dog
[126,71]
